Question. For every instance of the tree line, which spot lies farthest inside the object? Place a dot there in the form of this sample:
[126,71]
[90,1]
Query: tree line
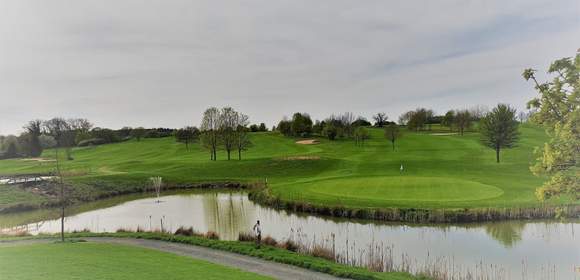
[58,132]
[498,128]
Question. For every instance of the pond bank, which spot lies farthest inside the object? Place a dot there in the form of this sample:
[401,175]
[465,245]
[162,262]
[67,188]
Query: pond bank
[264,196]
[86,192]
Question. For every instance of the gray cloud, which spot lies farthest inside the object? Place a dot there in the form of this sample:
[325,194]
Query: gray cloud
[161,63]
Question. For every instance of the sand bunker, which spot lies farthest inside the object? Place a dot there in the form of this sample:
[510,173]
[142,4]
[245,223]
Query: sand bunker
[308,142]
[301,158]
[38,159]
[444,134]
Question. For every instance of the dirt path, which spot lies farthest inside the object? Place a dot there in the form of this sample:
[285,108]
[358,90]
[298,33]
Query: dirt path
[246,263]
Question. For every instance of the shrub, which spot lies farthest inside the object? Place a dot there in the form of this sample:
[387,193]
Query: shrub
[289,245]
[268,240]
[184,231]
[246,236]
[212,235]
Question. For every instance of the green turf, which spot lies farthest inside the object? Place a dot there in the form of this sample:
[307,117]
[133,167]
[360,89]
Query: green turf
[83,260]
[440,170]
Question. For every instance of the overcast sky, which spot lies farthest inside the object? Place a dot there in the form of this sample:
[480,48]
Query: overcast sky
[162,62]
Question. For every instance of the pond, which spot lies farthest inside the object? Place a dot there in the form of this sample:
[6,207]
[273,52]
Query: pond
[499,250]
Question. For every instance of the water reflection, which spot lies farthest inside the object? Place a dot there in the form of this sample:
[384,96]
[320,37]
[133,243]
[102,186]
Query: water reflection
[505,244]
[226,214]
[507,233]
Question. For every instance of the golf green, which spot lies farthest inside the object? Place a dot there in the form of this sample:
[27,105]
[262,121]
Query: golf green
[409,188]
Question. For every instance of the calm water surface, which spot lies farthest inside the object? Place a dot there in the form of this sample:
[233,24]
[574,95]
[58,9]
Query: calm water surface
[517,250]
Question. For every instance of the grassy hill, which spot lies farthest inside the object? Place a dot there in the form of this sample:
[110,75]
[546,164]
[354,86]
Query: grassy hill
[440,170]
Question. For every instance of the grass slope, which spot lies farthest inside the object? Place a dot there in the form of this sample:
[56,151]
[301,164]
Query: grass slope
[84,260]
[441,171]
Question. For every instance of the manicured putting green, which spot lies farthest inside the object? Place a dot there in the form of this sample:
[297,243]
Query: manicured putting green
[105,261]
[403,188]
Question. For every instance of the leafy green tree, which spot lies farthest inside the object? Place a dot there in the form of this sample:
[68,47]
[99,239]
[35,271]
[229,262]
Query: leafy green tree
[33,132]
[448,119]
[318,127]
[301,124]
[361,121]
[499,129]
[262,127]
[558,110]
[393,133]
[330,130]
[285,127]
[11,150]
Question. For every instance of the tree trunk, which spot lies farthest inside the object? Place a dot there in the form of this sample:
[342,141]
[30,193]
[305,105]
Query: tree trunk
[62,222]
[497,154]
[393,145]
[61,196]
[239,154]
[228,150]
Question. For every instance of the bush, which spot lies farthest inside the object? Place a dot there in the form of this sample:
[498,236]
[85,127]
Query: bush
[184,231]
[246,237]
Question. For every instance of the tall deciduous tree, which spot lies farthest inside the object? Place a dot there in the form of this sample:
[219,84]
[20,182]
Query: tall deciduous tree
[380,119]
[228,125]
[448,119]
[499,129]
[242,141]
[462,121]
[361,134]
[210,126]
[558,110]
[392,133]
[301,124]
[63,133]
[33,132]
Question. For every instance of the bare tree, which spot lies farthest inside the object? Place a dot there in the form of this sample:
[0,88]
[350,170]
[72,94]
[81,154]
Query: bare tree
[210,126]
[60,129]
[462,120]
[405,117]
[392,133]
[361,134]
[523,116]
[380,119]
[187,135]
[242,141]
[62,132]
[347,119]
[228,126]
[477,112]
